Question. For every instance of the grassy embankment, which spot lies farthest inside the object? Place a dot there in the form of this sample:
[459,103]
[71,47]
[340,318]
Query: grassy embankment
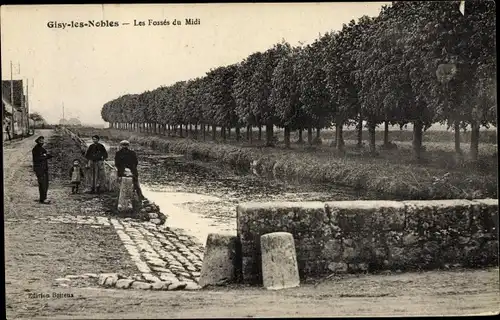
[438,176]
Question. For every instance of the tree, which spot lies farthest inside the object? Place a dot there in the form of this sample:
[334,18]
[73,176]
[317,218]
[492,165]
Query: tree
[222,103]
[37,119]
[242,92]
[285,94]
[314,97]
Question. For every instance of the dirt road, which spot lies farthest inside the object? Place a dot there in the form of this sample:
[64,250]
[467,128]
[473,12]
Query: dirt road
[38,250]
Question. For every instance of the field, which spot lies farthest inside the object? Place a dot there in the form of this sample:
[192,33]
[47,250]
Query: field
[393,173]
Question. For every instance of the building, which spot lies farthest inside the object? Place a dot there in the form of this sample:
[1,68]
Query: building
[16,109]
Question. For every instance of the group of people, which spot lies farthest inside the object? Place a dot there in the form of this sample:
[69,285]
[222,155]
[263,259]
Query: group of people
[96,154]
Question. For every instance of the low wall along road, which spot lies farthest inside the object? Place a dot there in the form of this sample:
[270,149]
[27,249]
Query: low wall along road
[354,236]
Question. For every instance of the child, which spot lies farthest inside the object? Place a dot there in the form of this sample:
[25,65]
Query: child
[76,176]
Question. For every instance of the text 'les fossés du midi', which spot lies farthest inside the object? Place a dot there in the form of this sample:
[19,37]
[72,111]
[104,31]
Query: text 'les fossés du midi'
[113,24]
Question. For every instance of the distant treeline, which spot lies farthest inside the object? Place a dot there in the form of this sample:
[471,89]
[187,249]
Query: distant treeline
[418,62]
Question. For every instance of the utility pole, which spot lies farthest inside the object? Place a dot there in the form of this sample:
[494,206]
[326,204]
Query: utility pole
[27,107]
[12,100]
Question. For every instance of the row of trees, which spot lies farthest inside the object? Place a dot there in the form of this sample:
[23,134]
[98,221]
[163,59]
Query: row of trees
[418,62]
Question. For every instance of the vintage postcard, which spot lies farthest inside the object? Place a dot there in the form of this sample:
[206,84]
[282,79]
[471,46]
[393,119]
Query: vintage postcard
[217,160]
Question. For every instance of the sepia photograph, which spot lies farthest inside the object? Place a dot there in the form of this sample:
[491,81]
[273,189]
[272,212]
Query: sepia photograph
[250,160]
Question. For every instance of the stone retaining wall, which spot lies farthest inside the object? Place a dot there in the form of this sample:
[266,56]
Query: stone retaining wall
[354,236]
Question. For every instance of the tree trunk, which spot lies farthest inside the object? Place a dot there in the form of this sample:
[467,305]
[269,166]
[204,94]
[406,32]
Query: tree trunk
[301,139]
[310,136]
[339,138]
[287,137]
[318,132]
[360,131]
[180,131]
[250,134]
[456,127]
[229,132]
[474,141]
[260,133]
[269,135]
[417,139]
[214,131]
[196,131]
[223,133]
[386,133]
[203,128]
[237,133]
[371,134]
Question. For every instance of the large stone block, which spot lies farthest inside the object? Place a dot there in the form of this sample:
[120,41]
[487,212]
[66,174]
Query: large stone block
[279,261]
[358,217]
[437,214]
[221,261]
[126,194]
[484,216]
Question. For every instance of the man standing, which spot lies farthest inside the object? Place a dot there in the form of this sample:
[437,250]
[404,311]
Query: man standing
[41,168]
[96,154]
[126,158]
[7,129]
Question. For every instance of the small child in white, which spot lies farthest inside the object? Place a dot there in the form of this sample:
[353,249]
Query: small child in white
[76,176]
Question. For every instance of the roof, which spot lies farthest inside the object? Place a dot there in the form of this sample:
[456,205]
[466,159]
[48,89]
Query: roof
[18,92]
[7,107]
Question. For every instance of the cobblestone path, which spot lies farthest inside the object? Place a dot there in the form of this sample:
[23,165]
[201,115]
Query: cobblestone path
[167,258]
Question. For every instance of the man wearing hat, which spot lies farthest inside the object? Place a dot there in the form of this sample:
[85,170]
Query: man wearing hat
[41,168]
[96,154]
[127,159]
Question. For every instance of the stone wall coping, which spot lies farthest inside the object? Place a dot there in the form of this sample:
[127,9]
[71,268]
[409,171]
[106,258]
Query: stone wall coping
[438,203]
[364,204]
[488,201]
[361,204]
[248,206]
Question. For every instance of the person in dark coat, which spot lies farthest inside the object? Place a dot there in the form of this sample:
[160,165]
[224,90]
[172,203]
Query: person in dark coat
[7,129]
[127,159]
[41,168]
[96,154]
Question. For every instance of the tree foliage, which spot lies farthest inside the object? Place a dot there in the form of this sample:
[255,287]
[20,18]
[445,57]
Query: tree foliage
[387,68]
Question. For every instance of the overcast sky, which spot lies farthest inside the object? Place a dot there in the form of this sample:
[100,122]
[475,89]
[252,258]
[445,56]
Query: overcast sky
[86,67]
